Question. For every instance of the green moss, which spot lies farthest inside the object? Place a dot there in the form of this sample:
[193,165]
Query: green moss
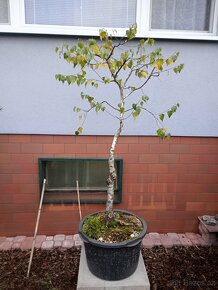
[122,228]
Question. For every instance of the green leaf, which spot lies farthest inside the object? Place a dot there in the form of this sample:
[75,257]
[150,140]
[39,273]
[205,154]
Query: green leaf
[161,116]
[103,35]
[134,106]
[145,98]
[80,44]
[122,109]
[161,132]
[136,113]
[179,68]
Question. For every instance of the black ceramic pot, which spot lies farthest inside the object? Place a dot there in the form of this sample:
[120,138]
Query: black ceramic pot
[115,261]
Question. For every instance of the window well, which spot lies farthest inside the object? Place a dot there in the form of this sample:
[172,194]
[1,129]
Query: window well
[61,176]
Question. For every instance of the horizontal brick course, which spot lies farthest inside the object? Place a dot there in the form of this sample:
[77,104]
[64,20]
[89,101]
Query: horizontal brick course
[169,183]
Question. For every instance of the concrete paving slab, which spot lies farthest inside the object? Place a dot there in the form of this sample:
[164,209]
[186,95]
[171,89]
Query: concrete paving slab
[87,281]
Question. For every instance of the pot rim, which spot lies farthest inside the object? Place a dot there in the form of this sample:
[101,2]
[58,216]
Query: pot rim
[126,243]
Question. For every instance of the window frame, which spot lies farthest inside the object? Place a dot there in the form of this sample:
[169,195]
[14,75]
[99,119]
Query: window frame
[42,164]
[143,20]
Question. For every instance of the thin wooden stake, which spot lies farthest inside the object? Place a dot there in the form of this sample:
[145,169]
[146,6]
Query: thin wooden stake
[36,228]
[78,197]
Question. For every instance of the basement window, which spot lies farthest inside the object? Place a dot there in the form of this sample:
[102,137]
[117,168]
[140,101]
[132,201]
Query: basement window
[61,176]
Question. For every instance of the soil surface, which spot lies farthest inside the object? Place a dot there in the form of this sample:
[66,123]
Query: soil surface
[175,268]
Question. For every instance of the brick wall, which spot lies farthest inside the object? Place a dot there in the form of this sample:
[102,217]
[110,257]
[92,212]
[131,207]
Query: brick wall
[168,183]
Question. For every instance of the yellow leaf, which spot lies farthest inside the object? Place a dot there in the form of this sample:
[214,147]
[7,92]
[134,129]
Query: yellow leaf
[124,66]
[159,64]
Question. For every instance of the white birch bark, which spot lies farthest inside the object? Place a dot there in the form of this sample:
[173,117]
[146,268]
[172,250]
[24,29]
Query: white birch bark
[112,171]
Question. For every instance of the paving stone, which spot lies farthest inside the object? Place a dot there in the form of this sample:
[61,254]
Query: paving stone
[78,240]
[49,238]
[68,243]
[166,241]
[59,238]
[193,238]
[184,240]
[76,237]
[16,245]
[11,239]
[27,243]
[46,245]
[2,239]
[69,237]
[203,242]
[6,245]
[147,242]
[58,244]
[38,244]
[40,238]
[175,239]
[19,239]
[155,238]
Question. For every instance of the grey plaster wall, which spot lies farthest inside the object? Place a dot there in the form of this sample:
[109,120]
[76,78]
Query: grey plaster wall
[35,103]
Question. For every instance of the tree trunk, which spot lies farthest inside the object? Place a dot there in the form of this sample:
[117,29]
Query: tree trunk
[112,171]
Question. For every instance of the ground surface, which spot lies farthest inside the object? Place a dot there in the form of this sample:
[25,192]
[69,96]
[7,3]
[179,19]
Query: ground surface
[175,268]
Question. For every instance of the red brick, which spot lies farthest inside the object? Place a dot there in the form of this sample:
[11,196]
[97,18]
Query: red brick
[180,148]
[103,139]
[148,158]
[61,139]
[169,158]
[20,138]
[53,148]
[166,178]
[129,139]
[130,178]
[190,140]
[190,158]
[31,148]
[147,178]
[25,198]
[4,138]
[22,158]
[10,147]
[199,149]
[138,148]
[22,178]
[158,168]
[178,168]
[149,140]
[85,139]
[209,159]
[5,178]
[209,140]
[42,139]
[136,168]
[195,206]
[130,158]
[159,148]
[157,187]
[96,148]
[5,158]
[75,148]
[198,168]
[122,148]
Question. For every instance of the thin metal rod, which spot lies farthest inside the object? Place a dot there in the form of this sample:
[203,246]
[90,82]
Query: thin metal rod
[36,228]
[78,197]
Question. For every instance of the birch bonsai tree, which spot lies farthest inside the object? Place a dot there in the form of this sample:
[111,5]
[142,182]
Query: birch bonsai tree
[108,62]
